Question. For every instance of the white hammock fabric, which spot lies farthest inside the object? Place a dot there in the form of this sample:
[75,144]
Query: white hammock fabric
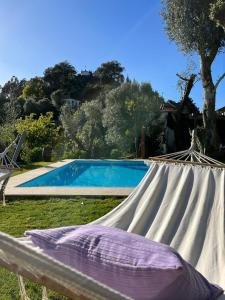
[176,203]
[182,206]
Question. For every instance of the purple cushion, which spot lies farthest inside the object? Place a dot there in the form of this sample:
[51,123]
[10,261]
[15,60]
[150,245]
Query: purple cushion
[129,263]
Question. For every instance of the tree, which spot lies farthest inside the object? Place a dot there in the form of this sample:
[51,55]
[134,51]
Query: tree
[2,109]
[11,104]
[187,23]
[57,98]
[13,110]
[35,88]
[7,135]
[13,88]
[84,127]
[110,73]
[218,12]
[40,132]
[127,109]
[43,106]
[61,76]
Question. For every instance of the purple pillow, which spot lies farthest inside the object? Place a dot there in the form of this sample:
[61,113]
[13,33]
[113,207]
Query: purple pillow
[135,266]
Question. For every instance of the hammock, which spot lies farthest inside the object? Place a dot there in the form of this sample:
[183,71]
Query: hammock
[183,206]
[8,163]
[22,257]
[179,202]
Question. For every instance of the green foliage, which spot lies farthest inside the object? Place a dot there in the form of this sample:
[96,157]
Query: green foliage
[84,127]
[75,153]
[46,93]
[127,109]
[187,23]
[39,107]
[111,124]
[217,12]
[217,5]
[61,76]
[110,72]
[34,88]
[57,98]
[7,135]
[11,106]
[115,153]
[31,154]
[13,88]
[41,132]
[12,110]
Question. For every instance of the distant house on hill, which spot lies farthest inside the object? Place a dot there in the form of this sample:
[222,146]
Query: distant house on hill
[221,111]
[73,103]
[169,106]
[85,73]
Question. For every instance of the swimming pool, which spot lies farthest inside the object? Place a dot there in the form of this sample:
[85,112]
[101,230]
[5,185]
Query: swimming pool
[93,173]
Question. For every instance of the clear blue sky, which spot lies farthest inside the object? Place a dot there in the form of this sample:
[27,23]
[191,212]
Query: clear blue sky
[36,34]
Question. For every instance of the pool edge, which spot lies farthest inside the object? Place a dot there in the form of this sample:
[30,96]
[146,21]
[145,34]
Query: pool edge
[14,189]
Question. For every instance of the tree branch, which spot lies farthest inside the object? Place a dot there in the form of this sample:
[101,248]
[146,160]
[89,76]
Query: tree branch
[181,77]
[213,54]
[219,80]
[197,78]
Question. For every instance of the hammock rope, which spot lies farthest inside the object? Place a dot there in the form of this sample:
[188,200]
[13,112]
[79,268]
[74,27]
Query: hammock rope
[190,156]
[23,293]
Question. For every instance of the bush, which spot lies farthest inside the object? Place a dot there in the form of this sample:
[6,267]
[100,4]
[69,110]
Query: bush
[83,154]
[31,155]
[115,153]
[41,132]
[75,154]
[129,156]
[58,151]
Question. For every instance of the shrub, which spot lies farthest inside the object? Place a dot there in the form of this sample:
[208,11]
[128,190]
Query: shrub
[31,155]
[58,150]
[115,153]
[41,133]
[75,154]
[83,154]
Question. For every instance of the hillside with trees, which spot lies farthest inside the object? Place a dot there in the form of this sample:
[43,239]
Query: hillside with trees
[79,115]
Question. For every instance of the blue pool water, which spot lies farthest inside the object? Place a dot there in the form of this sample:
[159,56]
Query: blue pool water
[89,173]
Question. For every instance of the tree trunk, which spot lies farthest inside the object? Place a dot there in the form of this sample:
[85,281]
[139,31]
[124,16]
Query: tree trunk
[209,114]
[188,87]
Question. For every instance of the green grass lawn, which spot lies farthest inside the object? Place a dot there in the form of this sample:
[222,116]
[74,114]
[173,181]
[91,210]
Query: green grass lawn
[27,167]
[22,215]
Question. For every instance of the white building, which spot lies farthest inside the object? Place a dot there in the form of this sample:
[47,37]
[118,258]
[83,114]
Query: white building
[85,73]
[73,103]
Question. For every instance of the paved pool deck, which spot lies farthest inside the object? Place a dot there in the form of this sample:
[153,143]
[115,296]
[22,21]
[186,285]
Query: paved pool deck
[13,188]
